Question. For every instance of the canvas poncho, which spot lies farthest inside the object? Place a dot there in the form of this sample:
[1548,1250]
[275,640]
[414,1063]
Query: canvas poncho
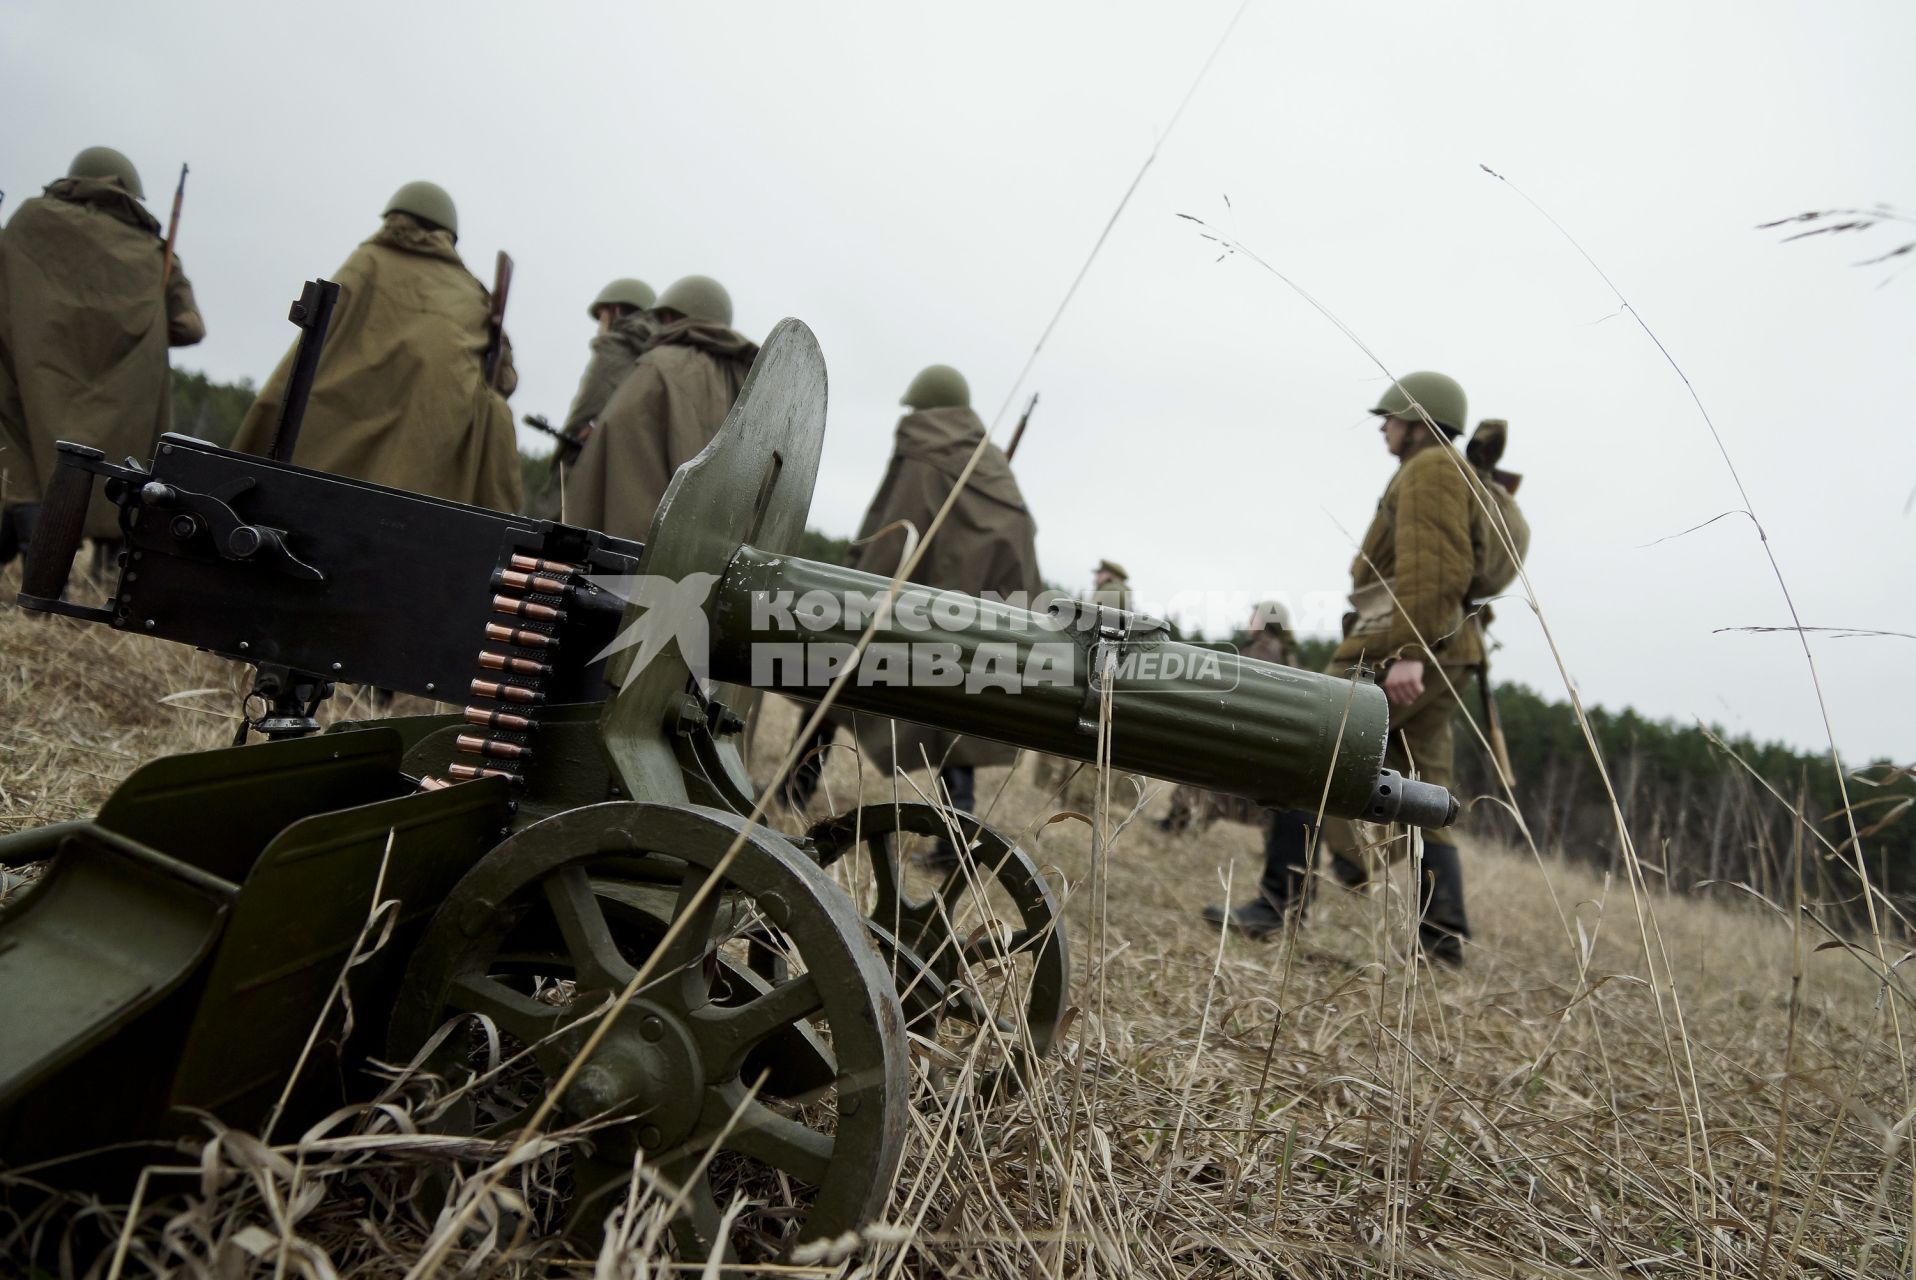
[987,543]
[83,334]
[614,355]
[1419,543]
[400,397]
[667,409]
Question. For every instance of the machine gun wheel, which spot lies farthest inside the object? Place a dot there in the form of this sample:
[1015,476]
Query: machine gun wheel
[984,945]
[711,1079]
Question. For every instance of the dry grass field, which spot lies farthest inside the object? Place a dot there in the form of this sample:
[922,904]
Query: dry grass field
[1619,1083]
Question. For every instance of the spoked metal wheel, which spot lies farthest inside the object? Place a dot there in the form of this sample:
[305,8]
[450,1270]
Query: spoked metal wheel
[718,1081]
[983,943]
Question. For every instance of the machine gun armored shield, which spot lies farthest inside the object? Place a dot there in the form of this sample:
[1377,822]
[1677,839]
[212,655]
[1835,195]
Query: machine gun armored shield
[584,817]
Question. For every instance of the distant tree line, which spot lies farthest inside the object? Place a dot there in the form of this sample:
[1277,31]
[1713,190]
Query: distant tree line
[1701,808]
[207,409]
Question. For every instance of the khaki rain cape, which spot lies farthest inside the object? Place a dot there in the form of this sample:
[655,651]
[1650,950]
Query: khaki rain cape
[400,397]
[84,334]
[664,412]
[987,543]
[614,355]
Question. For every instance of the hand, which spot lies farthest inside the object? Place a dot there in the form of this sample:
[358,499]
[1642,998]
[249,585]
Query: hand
[1404,682]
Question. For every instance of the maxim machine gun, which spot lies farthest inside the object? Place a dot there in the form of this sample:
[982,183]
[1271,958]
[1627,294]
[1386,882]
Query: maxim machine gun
[582,819]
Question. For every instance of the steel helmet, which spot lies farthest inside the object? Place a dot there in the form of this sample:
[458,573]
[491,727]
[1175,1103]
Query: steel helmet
[1437,394]
[1270,613]
[699,297]
[938,386]
[108,165]
[428,202]
[623,292]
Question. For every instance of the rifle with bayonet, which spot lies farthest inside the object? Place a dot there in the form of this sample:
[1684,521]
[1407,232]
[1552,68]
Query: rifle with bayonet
[496,322]
[1019,434]
[173,230]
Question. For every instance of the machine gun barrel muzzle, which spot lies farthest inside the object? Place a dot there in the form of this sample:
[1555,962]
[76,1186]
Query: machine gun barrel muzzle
[1044,679]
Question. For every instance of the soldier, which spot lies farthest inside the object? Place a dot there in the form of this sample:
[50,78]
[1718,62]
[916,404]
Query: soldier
[1111,585]
[987,544]
[666,410]
[1410,584]
[400,397]
[622,312]
[85,323]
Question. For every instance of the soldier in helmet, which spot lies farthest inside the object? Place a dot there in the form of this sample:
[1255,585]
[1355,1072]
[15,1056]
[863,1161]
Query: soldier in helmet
[1410,584]
[401,396]
[1111,585]
[85,323]
[622,312]
[988,543]
[664,411]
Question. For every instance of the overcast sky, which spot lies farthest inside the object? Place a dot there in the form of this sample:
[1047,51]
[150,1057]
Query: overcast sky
[920,183]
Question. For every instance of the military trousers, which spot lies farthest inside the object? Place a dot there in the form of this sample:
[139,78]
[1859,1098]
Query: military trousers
[1420,745]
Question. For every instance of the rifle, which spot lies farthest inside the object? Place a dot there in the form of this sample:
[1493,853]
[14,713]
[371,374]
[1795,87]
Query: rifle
[496,322]
[1494,726]
[1019,434]
[172,230]
[570,444]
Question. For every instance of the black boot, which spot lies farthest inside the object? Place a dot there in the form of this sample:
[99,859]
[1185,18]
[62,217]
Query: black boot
[1443,925]
[1349,873]
[1282,887]
[1257,919]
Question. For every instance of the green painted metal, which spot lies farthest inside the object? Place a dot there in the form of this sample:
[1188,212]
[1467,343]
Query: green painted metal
[198,925]
[308,897]
[670,1071]
[570,769]
[426,200]
[626,291]
[1439,395]
[217,810]
[108,165]
[934,933]
[1277,735]
[699,297]
[89,960]
[753,482]
[937,386]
